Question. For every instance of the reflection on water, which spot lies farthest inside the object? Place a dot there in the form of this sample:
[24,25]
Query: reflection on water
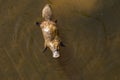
[90,30]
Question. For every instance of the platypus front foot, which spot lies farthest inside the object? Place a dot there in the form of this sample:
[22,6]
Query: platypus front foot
[44,49]
[37,23]
[61,44]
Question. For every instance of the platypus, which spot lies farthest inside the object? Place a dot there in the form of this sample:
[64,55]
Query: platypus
[50,32]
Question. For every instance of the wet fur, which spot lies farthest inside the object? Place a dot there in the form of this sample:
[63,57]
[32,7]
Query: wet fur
[50,31]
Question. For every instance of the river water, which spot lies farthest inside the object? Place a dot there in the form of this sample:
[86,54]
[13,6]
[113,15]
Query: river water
[90,29]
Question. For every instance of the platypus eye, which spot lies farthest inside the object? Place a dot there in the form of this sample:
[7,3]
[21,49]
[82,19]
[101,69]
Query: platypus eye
[58,48]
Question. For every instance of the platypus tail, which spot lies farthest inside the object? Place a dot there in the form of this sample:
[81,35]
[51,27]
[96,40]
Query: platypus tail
[47,12]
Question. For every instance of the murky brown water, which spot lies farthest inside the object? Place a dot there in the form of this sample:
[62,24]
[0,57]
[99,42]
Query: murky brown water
[89,28]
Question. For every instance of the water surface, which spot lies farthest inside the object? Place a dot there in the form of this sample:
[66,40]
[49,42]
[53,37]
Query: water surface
[89,29]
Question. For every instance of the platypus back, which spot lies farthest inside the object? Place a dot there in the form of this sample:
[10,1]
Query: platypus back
[47,12]
[50,32]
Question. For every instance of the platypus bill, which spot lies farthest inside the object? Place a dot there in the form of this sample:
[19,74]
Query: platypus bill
[50,32]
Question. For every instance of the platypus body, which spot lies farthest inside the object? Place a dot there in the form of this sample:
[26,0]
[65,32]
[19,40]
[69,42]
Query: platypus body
[50,32]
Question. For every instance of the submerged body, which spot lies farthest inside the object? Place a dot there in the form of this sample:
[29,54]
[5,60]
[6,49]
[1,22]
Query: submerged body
[50,32]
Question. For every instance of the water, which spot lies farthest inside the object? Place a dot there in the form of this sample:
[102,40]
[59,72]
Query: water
[89,29]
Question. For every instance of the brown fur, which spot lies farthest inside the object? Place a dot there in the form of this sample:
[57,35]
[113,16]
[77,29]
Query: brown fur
[50,36]
[50,32]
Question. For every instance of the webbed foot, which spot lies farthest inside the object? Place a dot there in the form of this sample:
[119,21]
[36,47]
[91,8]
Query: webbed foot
[37,23]
[44,49]
[61,44]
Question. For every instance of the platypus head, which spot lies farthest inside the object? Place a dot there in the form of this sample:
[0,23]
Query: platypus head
[55,48]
